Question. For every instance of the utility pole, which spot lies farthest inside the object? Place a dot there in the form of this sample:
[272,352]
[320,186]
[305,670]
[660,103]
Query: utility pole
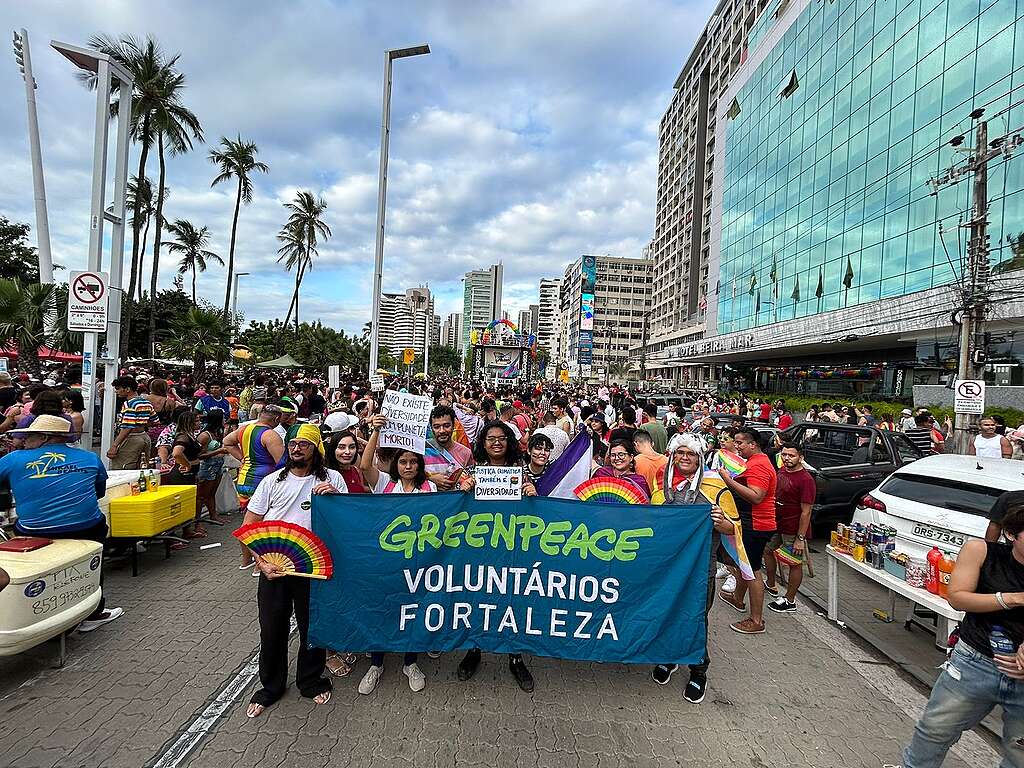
[24,58]
[971,356]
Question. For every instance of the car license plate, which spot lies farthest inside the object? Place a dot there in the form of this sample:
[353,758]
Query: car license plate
[940,535]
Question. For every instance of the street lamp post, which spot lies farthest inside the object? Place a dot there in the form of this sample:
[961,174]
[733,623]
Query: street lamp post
[234,304]
[24,58]
[107,73]
[382,188]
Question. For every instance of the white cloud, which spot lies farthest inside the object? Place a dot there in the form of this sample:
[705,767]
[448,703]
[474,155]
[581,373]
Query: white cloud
[528,136]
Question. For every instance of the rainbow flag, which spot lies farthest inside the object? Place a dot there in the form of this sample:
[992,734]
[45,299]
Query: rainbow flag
[713,487]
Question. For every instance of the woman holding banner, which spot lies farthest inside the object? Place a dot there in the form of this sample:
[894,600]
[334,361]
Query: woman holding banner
[343,457]
[496,446]
[407,473]
[685,483]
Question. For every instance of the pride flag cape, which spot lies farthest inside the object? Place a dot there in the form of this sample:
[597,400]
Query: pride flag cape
[714,489]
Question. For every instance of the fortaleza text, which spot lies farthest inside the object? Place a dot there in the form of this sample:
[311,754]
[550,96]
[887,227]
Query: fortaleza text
[487,529]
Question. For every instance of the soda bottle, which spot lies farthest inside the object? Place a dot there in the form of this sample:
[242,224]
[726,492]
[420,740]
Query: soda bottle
[1001,642]
[946,565]
[932,581]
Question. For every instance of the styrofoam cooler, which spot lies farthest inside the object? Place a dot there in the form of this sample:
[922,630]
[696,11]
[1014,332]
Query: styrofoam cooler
[118,484]
[52,589]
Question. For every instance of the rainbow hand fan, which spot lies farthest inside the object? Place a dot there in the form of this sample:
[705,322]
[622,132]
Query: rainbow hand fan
[611,490]
[296,550]
[733,463]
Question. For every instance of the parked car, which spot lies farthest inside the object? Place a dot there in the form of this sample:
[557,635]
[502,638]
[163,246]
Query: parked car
[847,461]
[940,500]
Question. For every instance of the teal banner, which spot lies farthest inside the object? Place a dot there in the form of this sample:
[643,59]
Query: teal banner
[549,577]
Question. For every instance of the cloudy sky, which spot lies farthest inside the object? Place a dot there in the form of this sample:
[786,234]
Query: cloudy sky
[529,135]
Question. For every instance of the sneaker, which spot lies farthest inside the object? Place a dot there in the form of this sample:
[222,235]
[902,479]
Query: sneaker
[434,654]
[696,689]
[417,680]
[370,680]
[773,591]
[520,673]
[730,584]
[469,663]
[782,605]
[722,572]
[727,597]
[748,627]
[105,618]
[663,673]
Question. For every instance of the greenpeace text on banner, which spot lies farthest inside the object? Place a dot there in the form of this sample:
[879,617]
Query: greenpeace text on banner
[550,577]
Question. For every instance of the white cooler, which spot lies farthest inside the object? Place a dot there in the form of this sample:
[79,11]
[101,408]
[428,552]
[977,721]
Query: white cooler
[52,589]
[118,484]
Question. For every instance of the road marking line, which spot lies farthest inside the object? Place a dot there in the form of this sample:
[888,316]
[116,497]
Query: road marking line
[971,747]
[190,738]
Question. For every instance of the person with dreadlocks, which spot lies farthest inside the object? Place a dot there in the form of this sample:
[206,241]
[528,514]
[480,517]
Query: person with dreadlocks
[685,483]
[286,495]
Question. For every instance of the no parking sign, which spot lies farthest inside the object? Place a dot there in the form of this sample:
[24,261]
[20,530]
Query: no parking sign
[88,298]
[969,396]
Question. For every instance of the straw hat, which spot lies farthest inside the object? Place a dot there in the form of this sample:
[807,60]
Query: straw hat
[46,425]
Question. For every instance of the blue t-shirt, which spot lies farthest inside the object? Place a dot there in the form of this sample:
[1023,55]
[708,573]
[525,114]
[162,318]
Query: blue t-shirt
[56,487]
[207,403]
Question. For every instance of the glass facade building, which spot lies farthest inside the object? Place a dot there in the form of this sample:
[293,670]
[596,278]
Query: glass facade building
[832,140]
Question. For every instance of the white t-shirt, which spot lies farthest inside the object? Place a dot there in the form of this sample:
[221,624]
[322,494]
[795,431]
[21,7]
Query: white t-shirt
[384,478]
[291,499]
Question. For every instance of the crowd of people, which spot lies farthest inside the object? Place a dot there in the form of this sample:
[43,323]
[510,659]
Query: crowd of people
[294,437]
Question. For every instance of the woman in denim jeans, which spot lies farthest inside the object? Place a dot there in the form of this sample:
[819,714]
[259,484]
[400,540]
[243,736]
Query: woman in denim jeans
[988,585]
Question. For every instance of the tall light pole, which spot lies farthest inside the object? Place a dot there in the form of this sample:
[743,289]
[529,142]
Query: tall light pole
[382,190]
[107,72]
[24,59]
[234,304]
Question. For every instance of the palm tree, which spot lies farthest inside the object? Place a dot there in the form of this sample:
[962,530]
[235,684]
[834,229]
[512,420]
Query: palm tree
[200,335]
[175,126]
[191,244]
[237,159]
[139,200]
[149,66]
[299,237]
[28,320]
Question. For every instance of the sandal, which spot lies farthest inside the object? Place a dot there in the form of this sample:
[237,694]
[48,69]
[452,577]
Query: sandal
[320,698]
[338,665]
[196,535]
[179,545]
[214,522]
[254,709]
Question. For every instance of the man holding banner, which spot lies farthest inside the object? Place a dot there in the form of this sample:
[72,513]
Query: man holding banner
[686,484]
[286,495]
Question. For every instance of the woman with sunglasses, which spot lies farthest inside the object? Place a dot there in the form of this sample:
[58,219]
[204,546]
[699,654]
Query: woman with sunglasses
[407,474]
[496,446]
[621,464]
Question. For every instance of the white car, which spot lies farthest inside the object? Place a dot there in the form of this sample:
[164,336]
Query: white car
[940,500]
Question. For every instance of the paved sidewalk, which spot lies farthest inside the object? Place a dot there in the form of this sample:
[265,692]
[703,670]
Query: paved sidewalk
[785,698]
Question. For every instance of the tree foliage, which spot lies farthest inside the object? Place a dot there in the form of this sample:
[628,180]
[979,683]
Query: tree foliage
[312,344]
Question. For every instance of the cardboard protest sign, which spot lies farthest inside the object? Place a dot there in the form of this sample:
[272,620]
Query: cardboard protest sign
[408,418]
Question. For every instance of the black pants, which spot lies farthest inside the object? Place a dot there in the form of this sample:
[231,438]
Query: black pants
[97,533]
[277,598]
[377,659]
[702,668]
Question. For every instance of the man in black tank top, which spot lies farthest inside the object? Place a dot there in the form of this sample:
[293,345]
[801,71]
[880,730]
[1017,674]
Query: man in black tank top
[986,667]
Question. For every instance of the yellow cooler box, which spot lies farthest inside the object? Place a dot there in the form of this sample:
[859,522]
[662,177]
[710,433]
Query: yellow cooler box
[52,589]
[152,512]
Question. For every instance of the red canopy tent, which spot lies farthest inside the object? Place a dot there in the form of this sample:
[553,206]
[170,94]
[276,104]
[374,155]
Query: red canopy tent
[45,353]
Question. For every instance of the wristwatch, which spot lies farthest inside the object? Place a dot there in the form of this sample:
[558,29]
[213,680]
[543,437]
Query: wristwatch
[801,537]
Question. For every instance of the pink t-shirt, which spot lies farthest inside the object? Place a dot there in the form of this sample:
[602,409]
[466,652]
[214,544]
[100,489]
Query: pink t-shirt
[442,463]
